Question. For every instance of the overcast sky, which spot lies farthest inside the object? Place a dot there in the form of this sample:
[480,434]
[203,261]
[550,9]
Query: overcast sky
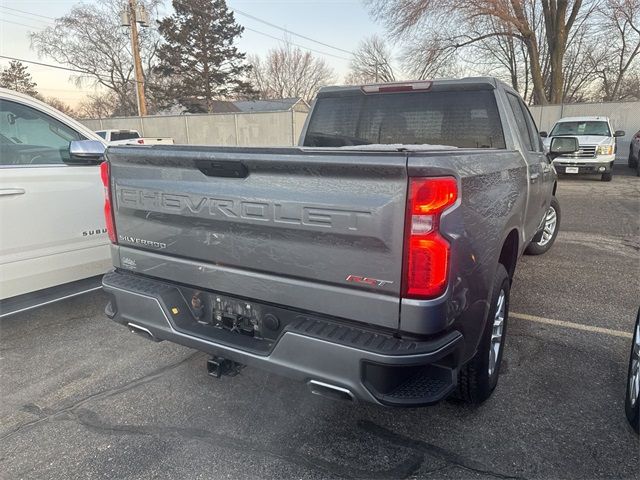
[341,23]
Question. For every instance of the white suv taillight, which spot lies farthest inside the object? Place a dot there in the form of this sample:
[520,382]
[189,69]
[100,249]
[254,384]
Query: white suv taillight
[426,264]
[108,210]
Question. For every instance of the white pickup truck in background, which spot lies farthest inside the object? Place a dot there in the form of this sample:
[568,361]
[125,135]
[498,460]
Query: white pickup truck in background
[597,141]
[131,137]
[53,240]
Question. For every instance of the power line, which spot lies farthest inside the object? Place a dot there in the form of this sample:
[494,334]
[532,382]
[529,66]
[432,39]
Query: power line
[25,17]
[64,68]
[297,44]
[21,24]
[28,13]
[292,43]
[247,28]
[251,29]
[289,31]
[43,64]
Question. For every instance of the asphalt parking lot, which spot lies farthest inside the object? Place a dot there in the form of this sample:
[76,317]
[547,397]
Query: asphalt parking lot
[82,398]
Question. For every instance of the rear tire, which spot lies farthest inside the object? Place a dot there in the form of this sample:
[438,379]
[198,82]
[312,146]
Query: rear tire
[606,177]
[479,377]
[543,241]
[631,401]
[632,162]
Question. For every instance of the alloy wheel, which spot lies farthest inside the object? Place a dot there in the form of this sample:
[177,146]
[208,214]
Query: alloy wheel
[550,223]
[497,331]
[634,376]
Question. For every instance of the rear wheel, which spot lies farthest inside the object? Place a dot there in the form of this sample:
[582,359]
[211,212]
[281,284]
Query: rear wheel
[479,377]
[632,399]
[545,238]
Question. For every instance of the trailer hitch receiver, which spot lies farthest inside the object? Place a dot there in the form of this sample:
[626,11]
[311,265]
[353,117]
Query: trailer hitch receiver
[218,366]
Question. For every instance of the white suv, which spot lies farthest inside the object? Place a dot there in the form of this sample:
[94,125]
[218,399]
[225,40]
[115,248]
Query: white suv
[597,142]
[53,240]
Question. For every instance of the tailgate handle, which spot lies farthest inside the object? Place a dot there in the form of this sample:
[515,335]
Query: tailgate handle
[222,168]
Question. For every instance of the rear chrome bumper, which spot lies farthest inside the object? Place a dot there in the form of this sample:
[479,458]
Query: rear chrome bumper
[373,366]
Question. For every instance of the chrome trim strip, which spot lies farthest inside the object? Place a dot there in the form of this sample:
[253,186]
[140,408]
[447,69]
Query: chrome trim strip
[31,307]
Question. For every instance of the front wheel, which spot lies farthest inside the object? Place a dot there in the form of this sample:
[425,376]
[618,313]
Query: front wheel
[545,238]
[606,177]
[479,377]
[632,398]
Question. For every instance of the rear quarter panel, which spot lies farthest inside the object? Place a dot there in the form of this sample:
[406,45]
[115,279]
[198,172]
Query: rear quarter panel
[491,203]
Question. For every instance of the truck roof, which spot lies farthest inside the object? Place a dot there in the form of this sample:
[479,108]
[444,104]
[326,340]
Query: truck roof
[597,118]
[471,82]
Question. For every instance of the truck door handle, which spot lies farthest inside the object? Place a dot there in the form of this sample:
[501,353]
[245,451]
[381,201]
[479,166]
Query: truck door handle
[12,191]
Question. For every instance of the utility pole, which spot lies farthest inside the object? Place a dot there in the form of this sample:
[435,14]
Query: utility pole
[137,63]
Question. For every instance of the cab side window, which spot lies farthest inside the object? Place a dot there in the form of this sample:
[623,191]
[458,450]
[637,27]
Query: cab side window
[31,137]
[521,122]
[536,141]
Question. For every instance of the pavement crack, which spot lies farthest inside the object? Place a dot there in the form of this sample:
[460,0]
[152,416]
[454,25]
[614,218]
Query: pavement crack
[431,450]
[110,392]
[92,421]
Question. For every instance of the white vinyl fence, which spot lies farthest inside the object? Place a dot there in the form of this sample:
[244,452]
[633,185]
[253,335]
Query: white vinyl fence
[283,128]
[242,129]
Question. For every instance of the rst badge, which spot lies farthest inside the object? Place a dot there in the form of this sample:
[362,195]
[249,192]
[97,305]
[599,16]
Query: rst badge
[372,282]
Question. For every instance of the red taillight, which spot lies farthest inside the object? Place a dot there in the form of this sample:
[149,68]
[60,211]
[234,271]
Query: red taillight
[108,210]
[426,251]
[141,141]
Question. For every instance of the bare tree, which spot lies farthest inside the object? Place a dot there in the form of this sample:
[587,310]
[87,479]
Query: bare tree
[371,62]
[60,106]
[289,72]
[616,60]
[91,40]
[578,71]
[516,18]
[102,105]
[426,57]
[502,56]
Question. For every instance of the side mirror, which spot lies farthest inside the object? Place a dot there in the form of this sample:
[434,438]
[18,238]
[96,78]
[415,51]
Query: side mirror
[619,133]
[562,146]
[86,152]
[544,134]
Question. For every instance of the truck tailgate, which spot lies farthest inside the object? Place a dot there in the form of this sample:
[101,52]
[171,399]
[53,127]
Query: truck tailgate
[330,220]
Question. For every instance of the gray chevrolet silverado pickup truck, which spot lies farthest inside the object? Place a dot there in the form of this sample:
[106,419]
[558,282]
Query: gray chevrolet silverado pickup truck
[372,262]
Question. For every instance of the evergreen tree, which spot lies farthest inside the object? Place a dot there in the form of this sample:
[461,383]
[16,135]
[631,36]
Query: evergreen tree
[199,60]
[15,77]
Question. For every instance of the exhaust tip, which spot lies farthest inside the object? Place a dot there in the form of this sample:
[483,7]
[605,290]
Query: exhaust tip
[144,332]
[330,391]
